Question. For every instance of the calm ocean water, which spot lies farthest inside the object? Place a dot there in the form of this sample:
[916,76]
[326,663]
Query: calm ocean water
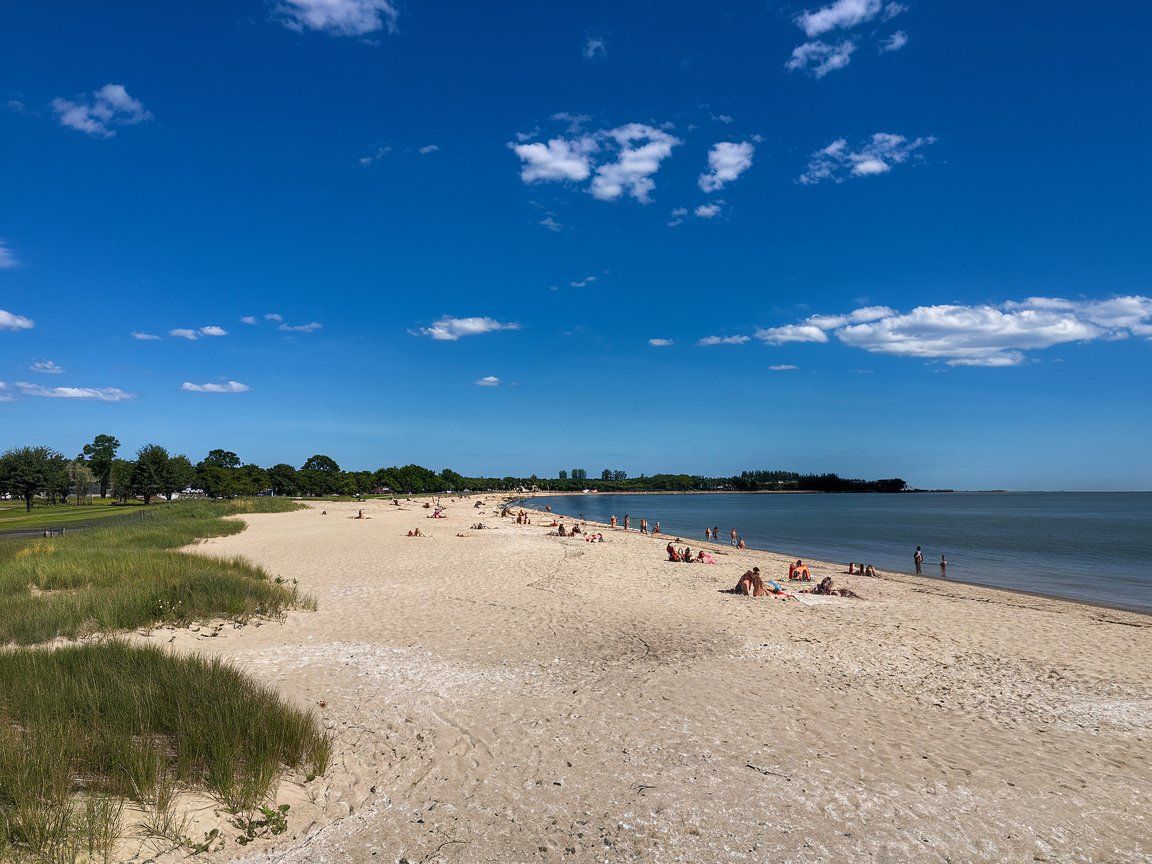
[1094,546]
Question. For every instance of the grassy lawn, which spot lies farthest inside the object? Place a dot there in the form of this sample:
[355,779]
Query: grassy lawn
[83,728]
[14,518]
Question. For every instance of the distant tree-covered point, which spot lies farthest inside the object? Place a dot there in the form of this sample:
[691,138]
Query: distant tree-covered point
[41,473]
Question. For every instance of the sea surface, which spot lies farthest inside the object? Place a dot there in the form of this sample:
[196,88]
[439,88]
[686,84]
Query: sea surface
[1091,546]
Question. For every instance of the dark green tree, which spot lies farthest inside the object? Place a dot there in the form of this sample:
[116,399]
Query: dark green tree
[180,475]
[150,474]
[282,479]
[30,471]
[222,459]
[101,454]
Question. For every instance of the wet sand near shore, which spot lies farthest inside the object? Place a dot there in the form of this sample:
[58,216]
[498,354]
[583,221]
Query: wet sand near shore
[509,696]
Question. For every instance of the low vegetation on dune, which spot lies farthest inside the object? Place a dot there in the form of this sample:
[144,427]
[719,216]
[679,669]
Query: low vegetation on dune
[128,573]
[86,728]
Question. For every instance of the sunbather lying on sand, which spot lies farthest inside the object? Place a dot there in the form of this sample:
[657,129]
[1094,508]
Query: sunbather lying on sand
[825,587]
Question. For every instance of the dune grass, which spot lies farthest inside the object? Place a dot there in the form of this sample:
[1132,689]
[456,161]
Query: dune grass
[127,573]
[85,727]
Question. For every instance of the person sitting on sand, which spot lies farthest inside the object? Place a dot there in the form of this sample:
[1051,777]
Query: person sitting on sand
[562,532]
[799,571]
[656,528]
[740,543]
[686,555]
[576,529]
[751,584]
[869,571]
[673,555]
[851,567]
[706,558]
[415,533]
[643,526]
[612,523]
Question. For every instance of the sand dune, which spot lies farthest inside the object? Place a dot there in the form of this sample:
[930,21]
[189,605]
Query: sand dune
[508,696]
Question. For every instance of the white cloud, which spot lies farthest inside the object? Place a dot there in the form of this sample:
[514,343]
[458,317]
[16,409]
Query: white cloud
[724,340]
[429,148]
[375,156]
[977,335]
[678,216]
[709,211]
[46,367]
[559,159]
[11,321]
[791,333]
[585,282]
[820,57]
[894,42]
[550,223]
[783,367]
[487,381]
[144,337]
[7,259]
[857,316]
[637,148]
[274,316]
[311,327]
[226,387]
[727,160]
[642,149]
[192,335]
[449,329]
[875,156]
[100,394]
[661,343]
[108,108]
[248,319]
[595,48]
[841,14]
[338,17]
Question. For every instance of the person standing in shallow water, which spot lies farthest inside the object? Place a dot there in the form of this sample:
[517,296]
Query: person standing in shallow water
[943,567]
[919,559]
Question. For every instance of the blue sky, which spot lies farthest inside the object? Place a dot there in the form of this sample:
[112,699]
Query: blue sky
[918,235]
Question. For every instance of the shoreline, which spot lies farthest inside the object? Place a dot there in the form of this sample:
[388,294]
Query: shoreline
[898,574]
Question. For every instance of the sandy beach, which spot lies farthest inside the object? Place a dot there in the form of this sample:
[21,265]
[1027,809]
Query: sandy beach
[509,696]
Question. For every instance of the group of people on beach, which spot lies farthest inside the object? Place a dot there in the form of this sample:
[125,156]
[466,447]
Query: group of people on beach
[734,538]
[918,560]
[685,555]
[644,527]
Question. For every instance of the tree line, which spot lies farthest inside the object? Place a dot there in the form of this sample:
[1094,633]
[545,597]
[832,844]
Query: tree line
[31,473]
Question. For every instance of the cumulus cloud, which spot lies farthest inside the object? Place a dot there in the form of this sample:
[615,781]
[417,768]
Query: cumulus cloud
[248,319]
[100,115]
[841,14]
[894,42]
[274,316]
[709,211]
[144,337]
[338,17]
[977,335]
[791,333]
[727,160]
[820,58]
[636,151]
[783,367]
[661,343]
[856,316]
[311,327]
[100,394]
[642,149]
[487,381]
[558,159]
[724,340]
[193,335]
[449,329]
[226,387]
[595,48]
[7,258]
[877,155]
[46,367]
[677,216]
[550,223]
[11,321]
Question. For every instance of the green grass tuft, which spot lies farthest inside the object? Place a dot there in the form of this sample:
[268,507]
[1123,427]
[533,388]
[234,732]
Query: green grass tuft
[126,573]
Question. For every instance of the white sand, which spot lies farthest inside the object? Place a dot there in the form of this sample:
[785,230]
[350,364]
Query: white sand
[511,697]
